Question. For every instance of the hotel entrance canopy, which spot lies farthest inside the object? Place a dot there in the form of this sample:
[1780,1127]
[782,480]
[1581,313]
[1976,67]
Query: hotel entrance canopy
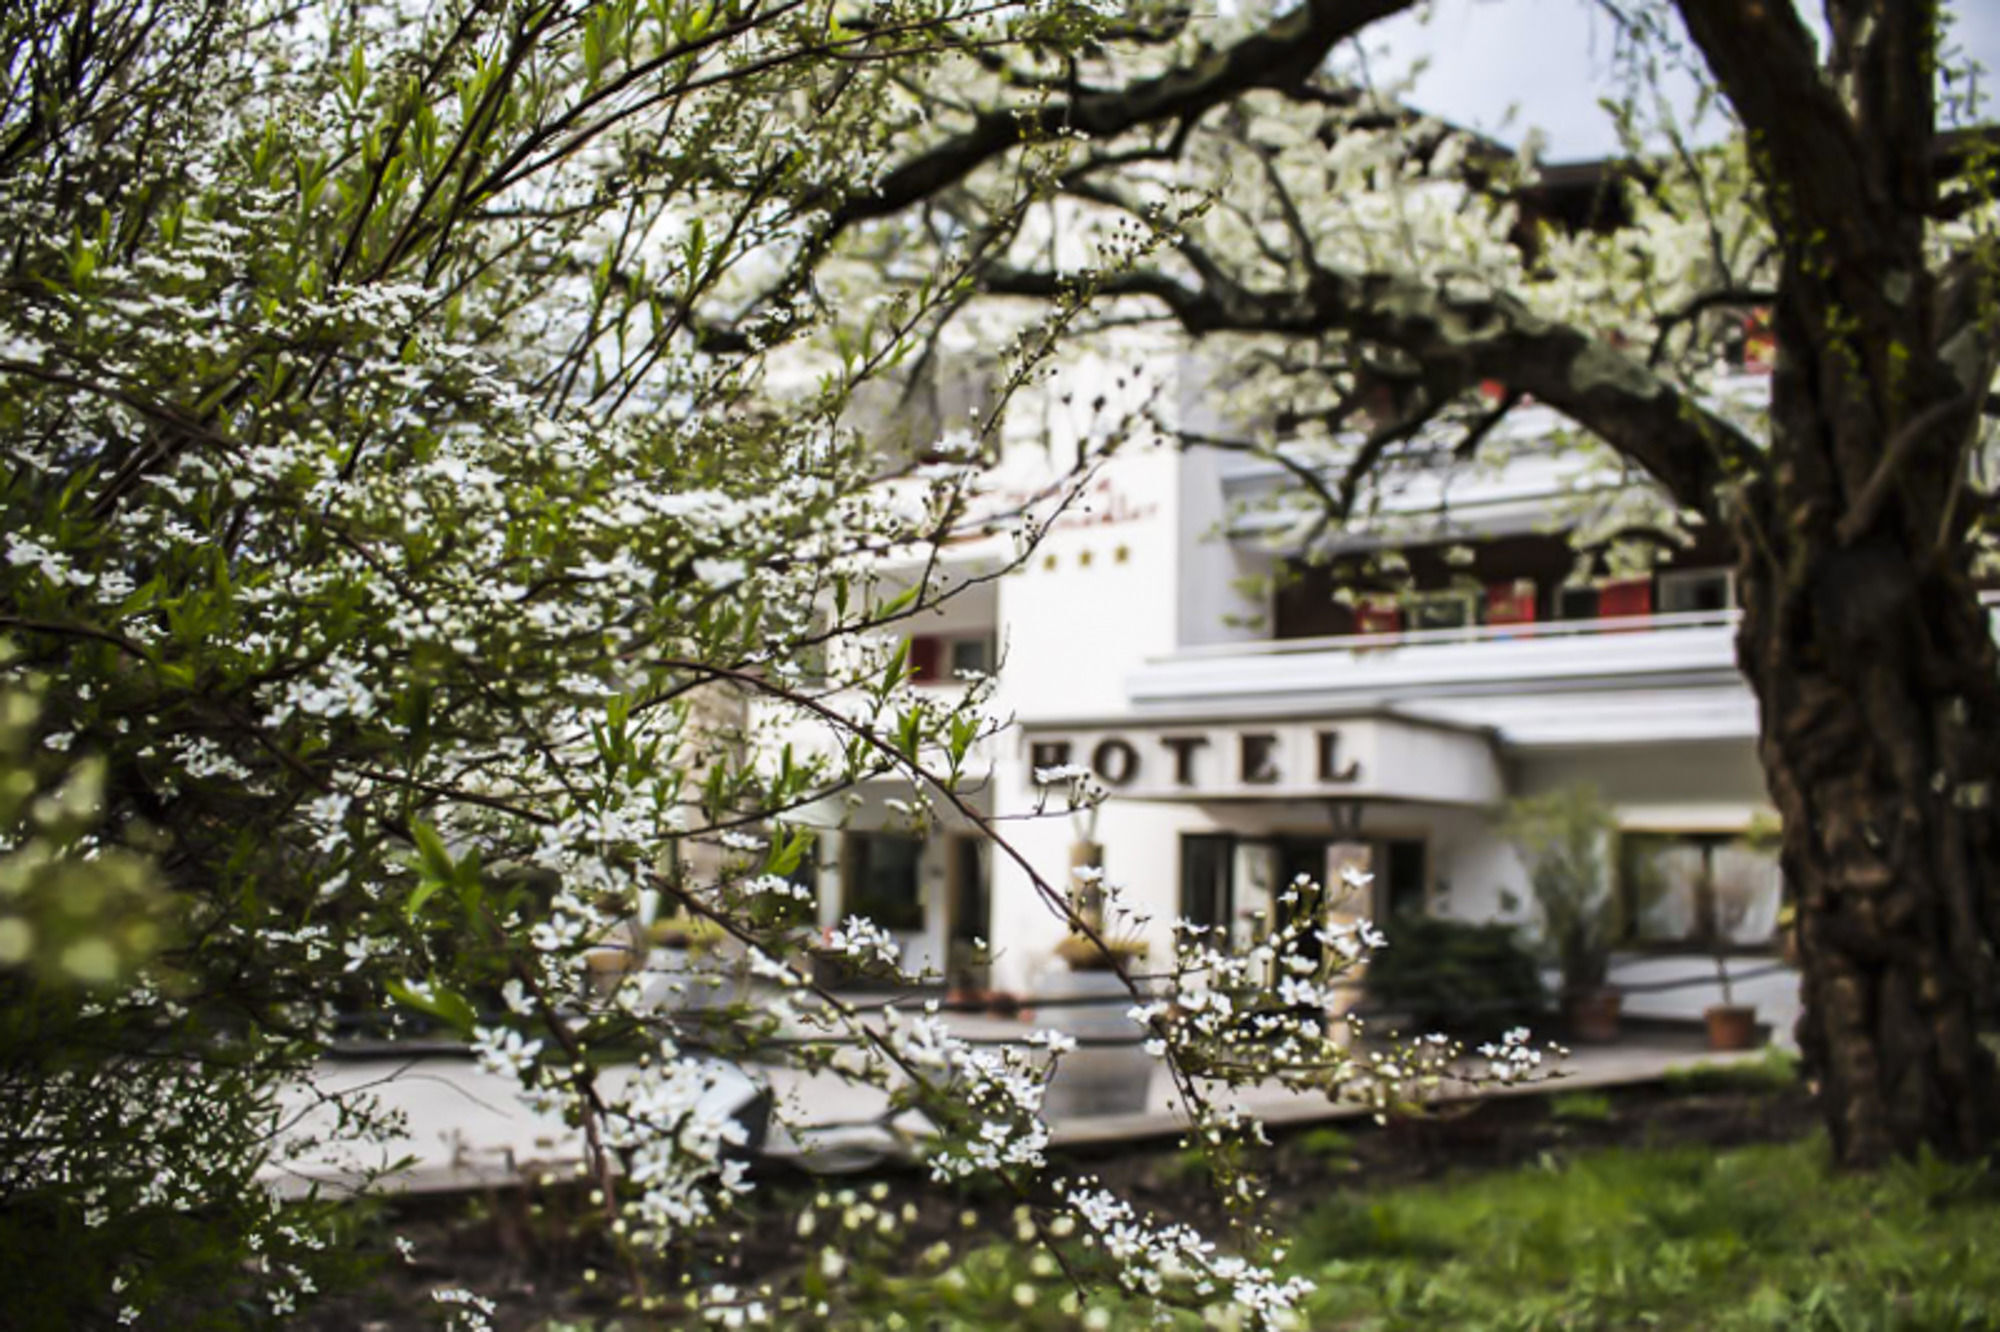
[1346,756]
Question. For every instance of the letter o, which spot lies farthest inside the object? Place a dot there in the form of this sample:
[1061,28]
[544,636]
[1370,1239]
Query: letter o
[1115,761]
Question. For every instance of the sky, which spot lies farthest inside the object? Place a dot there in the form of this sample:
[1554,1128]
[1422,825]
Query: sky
[1551,60]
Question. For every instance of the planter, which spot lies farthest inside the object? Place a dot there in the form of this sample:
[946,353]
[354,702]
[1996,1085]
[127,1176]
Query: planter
[684,979]
[1593,1016]
[608,967]
[1095,1079]
[1731,1027]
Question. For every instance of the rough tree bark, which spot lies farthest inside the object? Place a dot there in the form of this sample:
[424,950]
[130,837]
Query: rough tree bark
[1862,634]
[1879,699]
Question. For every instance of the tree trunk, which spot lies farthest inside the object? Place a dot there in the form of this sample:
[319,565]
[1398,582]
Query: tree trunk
[1879,695]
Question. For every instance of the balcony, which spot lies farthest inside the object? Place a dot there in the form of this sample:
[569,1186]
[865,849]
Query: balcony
[1614,680]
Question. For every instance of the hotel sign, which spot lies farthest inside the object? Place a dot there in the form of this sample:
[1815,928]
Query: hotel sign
[1377,756]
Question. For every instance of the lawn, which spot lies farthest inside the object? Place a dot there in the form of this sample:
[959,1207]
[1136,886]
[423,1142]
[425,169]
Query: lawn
[1757,1237]
[1681,1237]
[1701,1204]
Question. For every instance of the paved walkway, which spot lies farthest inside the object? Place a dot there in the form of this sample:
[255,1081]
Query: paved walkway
[466,1128]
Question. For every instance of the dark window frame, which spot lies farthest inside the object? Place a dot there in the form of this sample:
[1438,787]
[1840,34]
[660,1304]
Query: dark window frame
[857,856]
[1701,939]
[1222,881]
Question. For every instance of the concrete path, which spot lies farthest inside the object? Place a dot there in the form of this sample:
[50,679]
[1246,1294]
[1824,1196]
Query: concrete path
[466,1128]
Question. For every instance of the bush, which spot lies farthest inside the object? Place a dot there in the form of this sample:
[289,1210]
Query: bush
[1777,1071]
[1581,1108]
[1454,976]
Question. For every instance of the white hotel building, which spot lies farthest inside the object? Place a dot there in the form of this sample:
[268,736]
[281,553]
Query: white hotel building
[1246,737]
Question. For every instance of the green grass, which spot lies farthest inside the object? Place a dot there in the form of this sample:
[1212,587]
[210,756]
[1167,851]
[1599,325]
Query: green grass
[1763,1237]
[1777,1071]
[1688,1239]
[1581,1107]
[1327,1142]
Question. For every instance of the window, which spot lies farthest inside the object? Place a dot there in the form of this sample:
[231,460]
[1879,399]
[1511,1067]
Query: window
[1207,893]
[1399,878]
[1700,888]
[880,879]
[971,909]
[936,658]
[1398,867]
[972,654]
[1443,610]
[1395,866]
[1697,590]
[1576,603]
[1303,606]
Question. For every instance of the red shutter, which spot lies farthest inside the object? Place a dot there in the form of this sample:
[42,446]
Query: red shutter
[926,657]
[1378,617]
[1511,602]
[1760,346]
[1625,598]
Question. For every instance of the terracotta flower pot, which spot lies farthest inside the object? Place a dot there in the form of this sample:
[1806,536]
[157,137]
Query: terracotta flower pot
[1731,1027]
[1593,1017]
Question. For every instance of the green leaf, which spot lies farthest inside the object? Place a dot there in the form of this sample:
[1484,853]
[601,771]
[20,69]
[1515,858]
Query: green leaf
[786,855]
[436,864]
[439,1001]
[426,889]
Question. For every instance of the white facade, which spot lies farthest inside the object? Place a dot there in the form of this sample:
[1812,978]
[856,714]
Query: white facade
[1129,643]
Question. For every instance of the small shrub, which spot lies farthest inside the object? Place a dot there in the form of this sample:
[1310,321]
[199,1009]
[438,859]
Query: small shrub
[1777,1071]
[1451,975]
[1186,1166]
[1581,1108]
[1326,1142]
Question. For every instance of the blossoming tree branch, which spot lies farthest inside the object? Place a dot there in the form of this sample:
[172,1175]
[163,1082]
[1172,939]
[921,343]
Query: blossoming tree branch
[429,429]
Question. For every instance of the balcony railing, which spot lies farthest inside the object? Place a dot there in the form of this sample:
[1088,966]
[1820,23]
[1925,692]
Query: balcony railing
[1497,633]
[1473,633]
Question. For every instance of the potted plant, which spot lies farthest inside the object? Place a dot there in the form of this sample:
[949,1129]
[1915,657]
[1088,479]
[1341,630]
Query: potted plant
[1734,891]
[965,975]
[1731,1026]
[681,944]
[1563,837]
[1115,955]
[1091,1000]
[1088,998]
[616,954]
[695,934]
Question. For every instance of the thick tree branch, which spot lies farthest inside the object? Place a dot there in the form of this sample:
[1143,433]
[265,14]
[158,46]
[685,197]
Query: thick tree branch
[1861,515]
[1285,53]
[1745,297]
[1471,336]
[1807,147]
